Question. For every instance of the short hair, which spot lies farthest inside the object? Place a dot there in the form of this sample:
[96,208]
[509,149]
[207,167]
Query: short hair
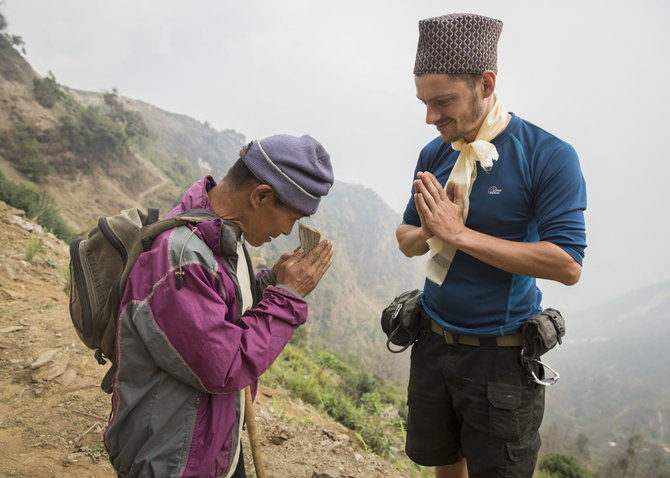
[471,79]
[239,176]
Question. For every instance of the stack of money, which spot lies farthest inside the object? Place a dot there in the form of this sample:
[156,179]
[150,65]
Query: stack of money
[309,237]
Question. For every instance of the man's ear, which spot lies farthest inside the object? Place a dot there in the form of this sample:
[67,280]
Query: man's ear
[261,195]
[488,83]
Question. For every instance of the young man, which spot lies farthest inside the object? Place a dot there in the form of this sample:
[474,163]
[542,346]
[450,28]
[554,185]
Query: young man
[196,327]
[497,202]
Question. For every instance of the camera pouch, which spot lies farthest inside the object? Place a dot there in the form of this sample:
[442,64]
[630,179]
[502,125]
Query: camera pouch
[541,333]
[401,320]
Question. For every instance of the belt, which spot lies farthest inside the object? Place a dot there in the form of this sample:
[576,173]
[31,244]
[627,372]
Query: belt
[502,341]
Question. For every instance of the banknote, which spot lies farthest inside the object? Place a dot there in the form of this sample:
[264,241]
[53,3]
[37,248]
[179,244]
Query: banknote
[309,237]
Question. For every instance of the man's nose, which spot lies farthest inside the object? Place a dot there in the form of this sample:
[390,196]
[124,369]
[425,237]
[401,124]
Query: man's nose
[289,228]
[432,114]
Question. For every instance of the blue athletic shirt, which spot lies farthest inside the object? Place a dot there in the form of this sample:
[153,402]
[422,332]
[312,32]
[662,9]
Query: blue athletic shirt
[535,191]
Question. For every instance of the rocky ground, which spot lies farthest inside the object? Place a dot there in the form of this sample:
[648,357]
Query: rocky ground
[52,411]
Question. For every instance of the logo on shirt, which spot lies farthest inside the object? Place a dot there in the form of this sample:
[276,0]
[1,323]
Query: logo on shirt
[495,190]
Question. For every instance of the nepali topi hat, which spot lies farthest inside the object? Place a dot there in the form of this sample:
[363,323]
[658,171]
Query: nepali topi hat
[458,43]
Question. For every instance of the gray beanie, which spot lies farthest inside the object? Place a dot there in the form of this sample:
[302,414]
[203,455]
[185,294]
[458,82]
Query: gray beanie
[297,168]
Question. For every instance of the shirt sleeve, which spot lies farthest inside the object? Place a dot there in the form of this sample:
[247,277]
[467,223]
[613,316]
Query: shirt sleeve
[560,201]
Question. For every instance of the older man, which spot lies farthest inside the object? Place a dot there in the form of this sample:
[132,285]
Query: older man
[497,202]
[196,326]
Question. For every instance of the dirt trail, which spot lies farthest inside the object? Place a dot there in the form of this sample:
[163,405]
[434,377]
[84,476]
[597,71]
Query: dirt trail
[151,167]
[52,411]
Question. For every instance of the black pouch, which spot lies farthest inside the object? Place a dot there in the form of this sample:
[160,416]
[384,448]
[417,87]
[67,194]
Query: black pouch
[401,320]
[540,334]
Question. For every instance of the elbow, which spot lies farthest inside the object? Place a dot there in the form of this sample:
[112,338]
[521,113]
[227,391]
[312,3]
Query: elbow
[412,250]
[406,252]
[409,243]
[402,242]
[572,274]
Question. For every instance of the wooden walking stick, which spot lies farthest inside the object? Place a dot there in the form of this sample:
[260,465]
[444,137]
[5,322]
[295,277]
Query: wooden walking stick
[253,435]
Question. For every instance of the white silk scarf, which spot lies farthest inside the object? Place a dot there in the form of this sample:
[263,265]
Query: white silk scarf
[464,174]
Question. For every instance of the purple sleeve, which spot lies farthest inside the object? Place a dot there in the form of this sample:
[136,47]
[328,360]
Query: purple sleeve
[224,354]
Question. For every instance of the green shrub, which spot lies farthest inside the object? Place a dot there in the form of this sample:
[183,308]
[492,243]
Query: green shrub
[65,272]
[49,218]
[324,380]
[326,359]
[562,466]
[23,150]
[47,91]
[25,139]
[299,338]
[36,204]
[132,121]
[135,127]
[92,133]
[372,402]
[35,168]
[341,409]
[33,246]
[14,40]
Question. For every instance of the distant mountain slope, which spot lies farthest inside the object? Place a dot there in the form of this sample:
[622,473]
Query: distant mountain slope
[180,141]
[77,155]
[614,366]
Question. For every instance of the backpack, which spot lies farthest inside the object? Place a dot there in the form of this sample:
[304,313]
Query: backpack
[99,269]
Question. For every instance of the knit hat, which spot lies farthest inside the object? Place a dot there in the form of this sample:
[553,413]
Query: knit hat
[298,169]
[457,43]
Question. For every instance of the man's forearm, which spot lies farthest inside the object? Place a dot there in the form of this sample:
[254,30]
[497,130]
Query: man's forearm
[543,260]
[411,240]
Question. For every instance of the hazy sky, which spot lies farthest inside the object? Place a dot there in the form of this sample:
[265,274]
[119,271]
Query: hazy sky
[592,72]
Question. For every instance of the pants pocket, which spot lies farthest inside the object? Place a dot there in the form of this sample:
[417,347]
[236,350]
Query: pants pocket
[526,449]
[504,402]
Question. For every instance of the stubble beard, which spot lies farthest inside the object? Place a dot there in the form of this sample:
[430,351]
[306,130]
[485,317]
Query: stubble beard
[468,123]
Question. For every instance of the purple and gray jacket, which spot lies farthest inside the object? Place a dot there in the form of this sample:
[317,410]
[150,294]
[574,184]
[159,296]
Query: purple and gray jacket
[184,355]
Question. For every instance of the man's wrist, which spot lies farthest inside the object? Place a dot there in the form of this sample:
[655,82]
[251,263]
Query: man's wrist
[423,234]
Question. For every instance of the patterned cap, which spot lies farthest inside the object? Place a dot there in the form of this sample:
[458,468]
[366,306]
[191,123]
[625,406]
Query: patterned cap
[457,43]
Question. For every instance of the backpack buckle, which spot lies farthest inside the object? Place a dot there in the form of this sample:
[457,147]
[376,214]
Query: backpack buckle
[100,357]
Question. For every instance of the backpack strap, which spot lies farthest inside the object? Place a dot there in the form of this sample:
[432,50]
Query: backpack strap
[152,215]
[151,230]
[108,380]
[255,290]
